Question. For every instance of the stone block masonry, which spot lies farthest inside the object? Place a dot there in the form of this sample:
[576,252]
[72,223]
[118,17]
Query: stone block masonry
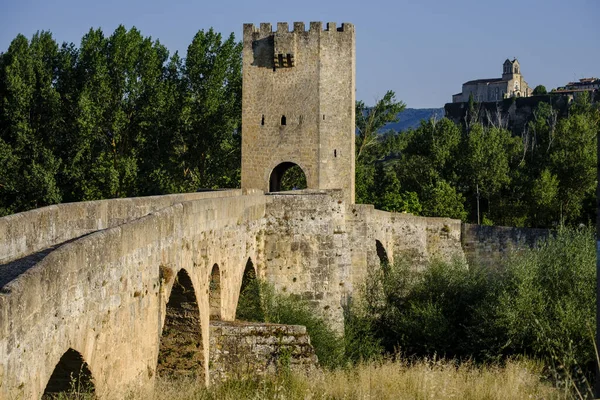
[490,245]
[298,102]
[249,349]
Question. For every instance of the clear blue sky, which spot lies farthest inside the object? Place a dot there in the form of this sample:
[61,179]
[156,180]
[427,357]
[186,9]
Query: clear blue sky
[422,49]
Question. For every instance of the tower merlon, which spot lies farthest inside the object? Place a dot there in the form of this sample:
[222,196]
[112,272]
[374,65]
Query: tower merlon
[299,27]
[265,28]
[283,27]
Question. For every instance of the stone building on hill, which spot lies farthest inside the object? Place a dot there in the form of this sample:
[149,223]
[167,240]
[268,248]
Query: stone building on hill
[511,84]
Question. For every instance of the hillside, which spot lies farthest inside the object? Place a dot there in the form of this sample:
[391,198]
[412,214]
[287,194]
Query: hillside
[411,118]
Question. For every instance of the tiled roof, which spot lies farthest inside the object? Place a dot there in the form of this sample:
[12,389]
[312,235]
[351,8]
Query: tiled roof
[492,80]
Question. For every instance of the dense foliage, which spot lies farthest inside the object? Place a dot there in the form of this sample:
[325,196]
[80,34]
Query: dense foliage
[540,304]
[116,117]
[543,176]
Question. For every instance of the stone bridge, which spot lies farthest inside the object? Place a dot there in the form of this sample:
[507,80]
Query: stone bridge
[121,288]
[120,291]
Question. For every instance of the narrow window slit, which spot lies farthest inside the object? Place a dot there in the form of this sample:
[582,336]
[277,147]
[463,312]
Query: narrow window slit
[335,153]
[283,122]
[262,121]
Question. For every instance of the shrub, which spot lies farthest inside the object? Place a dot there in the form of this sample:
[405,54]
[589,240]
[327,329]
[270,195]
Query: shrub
[539,303]
[548,303]
[434,310]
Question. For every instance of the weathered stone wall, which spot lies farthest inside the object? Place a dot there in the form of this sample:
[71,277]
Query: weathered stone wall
[489,245]
[314,93]
[402,236]
[247,349]
[306,250]
[320,248]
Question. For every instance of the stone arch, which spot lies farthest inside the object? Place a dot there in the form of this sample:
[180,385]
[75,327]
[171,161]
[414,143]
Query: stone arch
[384,261]
[287,176]
[215,293]
[180,351]
[249,306]
[71,375]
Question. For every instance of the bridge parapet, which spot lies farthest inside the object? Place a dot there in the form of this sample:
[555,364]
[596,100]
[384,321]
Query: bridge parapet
[31,231]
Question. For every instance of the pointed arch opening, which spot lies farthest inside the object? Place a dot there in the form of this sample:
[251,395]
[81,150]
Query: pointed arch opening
[287,176]
[384,261]
[180,352]
[71,376]
[215,293]
[249,306]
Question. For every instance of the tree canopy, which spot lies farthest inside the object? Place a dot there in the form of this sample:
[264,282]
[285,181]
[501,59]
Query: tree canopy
[117,116]
[120,116]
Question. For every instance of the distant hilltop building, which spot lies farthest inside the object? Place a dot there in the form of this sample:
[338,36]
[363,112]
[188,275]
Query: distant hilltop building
[511,84]
[573,89]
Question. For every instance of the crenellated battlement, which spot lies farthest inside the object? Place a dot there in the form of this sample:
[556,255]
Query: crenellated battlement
[266,29]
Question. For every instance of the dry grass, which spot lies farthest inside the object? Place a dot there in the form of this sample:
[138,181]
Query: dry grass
[385,380]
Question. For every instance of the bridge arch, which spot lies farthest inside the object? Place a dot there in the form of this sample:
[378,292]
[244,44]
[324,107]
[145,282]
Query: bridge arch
[215,293]
[71,375]
[287,176]
[180,351]
[384,260]
[249,306]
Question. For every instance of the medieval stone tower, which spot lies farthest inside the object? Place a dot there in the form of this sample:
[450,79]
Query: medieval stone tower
[298,105]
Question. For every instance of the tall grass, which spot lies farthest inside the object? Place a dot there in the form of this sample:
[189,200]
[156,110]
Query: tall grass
[425,379]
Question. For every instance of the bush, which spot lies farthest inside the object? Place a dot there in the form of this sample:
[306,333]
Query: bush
[548,303]
[435,310]
[540,303]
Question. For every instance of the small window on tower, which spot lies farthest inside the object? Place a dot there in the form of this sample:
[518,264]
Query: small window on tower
[335,153]
[323,117]
[283,122]
[262,121]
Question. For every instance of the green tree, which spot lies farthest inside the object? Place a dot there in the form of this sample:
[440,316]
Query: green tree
[489,156]
[389,195]
[539,90]
[574,161]
[29,116]
[442,200]
[429,168]
[369,120]
[207,146]
[370,146]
